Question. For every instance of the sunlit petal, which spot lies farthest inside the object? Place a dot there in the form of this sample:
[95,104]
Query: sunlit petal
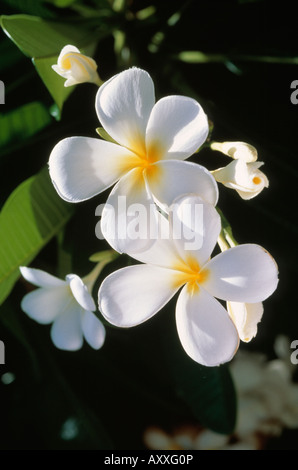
[195,226]
[40,278]
[244,273]
[175,178]
[81,167]
[134,294]
[178,125]
[129,217]
[205,329]
[123,106]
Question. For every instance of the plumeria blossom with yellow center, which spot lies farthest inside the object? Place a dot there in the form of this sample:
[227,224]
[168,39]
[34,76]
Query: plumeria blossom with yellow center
[244,273]
[151,140]
[76,67]
[68,305]
[243,173]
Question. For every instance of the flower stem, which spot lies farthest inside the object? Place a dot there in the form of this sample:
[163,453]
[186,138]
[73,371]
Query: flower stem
[226,238]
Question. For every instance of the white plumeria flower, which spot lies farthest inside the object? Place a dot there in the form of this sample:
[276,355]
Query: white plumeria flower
[245,178]
[245,273]
[152,139]
[76,67]
[68,305]
[237,150]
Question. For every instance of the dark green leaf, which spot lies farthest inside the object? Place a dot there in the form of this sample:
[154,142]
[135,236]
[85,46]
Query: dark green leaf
[31,216]
[23,122]
[36,37]
[208,391]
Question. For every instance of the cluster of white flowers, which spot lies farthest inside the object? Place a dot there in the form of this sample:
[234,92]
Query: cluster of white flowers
[145,162]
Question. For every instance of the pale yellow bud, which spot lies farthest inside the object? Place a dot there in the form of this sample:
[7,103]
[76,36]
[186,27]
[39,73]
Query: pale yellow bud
[245,178]
[236,150]
[76,67]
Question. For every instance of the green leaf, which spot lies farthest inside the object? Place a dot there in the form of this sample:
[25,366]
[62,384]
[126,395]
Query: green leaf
[208,391]
[42,41]
[23,122]
[9,54]
[31,216]
[36,37]
[61,3]
[35,7]
[53,81]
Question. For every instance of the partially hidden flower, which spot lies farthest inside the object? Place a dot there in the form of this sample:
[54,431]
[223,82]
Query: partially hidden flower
[268,394]
[246,317]
[244,273]
[245,178]
[68,305]
[76,67]
[146,162]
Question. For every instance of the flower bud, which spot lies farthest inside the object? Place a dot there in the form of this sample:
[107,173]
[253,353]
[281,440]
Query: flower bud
[76,67]
[236,150]
[245,178]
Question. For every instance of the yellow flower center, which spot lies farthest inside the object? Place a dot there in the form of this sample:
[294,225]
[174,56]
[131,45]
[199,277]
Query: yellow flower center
[257,180]
[190,273]
[66,64]
[144,160]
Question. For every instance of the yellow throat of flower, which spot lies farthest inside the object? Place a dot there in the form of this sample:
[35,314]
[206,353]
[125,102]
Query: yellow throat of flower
[145,160]
[190,273]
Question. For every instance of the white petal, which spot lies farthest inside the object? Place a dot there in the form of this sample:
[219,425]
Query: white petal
[195,226]
[93,330]
[46,303]
[66,331]
[205,329]
[40,278]
[245,178]
[235,173]
[134,294]
[82,167]
[129,217]
[244,273]
[163,252]
[236,150]
[178,125]
[66,50]
[246,318]
[80,292]
[176,178]
[123,106]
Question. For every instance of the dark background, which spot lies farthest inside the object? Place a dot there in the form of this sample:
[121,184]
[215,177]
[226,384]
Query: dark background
[247,99]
